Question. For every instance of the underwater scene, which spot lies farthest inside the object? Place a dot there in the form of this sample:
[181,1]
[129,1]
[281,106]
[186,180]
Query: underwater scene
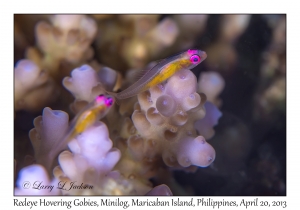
[169,104]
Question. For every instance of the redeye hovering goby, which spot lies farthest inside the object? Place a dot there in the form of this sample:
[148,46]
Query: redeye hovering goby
[162,71]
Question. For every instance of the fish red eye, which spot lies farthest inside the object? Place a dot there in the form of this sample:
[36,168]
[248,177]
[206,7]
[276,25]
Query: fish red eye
[109,101]
[195,59]
[100,98]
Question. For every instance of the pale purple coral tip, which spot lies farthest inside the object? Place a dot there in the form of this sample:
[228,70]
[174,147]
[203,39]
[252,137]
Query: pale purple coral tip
[160,190]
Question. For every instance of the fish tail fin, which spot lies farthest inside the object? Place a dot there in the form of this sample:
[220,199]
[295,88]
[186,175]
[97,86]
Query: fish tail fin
[115,95]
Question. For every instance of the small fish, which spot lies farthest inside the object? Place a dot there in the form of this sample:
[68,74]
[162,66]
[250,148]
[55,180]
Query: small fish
[162,71]
[88,116]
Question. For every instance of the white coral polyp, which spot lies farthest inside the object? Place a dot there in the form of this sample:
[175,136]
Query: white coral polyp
[26,71]
[195,151]
[47,136]
[27,77]
[69,22]
[91,150]
[33,180]
[181,84]
[81,83]
[212,84]
[67,38]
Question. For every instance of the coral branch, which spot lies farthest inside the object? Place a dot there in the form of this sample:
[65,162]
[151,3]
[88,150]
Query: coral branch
[205,126]
[212,84]
[91,161]
[33,87]
[160,190]
[164,118]
[46,137]
[82,82]
[68,37]
[34,180]
[195,151]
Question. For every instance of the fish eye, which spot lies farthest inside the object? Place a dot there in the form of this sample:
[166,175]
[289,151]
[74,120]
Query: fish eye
[195,59]
[109,101]
[99,98]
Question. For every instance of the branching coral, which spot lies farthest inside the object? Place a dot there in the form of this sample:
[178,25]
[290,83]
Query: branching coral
[49,131]
[206,124]
[190,26]
[164,118]
[162,36]
[34,180]
[223,55]
[89,164]
[160,190]
[82,82]
[212,84]
[233,26]
[162,130]
[165,126]
[30,83]
[85,83]
[63,44]
[135,40]
[71,34]
[270,96]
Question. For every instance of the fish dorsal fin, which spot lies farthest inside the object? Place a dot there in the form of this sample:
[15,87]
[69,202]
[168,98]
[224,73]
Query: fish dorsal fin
[140,73]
